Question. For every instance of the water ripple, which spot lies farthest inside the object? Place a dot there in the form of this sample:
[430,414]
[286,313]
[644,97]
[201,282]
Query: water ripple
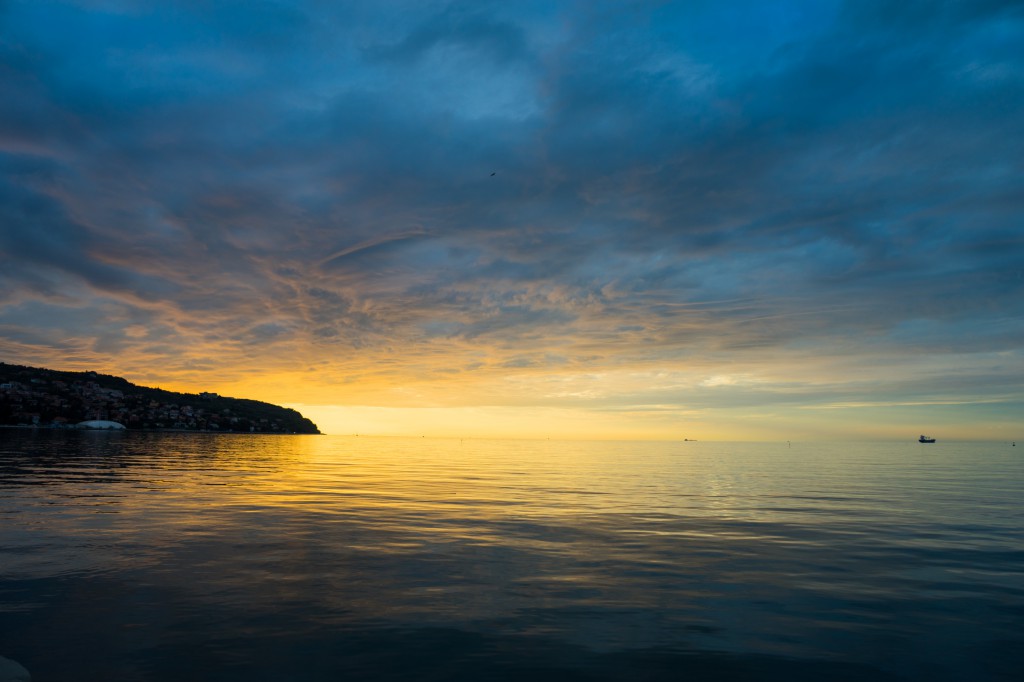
[150,556]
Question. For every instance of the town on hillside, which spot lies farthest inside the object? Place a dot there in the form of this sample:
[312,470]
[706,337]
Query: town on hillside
[43,398]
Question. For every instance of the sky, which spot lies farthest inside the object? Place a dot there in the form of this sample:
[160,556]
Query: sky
[731,220]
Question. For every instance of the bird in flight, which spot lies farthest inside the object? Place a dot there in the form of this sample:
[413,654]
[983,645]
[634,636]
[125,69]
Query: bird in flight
[492,174]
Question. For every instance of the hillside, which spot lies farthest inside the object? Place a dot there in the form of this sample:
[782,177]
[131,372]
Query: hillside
[33,396]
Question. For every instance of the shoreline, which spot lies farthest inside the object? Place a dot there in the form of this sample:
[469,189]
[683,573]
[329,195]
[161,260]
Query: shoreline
[27,427]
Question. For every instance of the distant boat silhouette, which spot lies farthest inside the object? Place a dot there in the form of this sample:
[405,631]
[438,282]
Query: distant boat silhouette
[925,439]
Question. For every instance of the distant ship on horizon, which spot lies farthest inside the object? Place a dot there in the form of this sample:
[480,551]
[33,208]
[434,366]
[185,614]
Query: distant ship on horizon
[925,439]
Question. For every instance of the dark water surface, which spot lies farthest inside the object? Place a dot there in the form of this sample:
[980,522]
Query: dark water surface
[189,557]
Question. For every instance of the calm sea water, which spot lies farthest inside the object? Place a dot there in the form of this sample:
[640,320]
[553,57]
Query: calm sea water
[190,557]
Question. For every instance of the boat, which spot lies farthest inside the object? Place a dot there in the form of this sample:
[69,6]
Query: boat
[100,425]
[925,439]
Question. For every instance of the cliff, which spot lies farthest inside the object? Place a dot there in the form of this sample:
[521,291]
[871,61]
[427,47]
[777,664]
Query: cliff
[33,396]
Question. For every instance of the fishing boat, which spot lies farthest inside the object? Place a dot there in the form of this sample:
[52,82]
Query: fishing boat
[925,439]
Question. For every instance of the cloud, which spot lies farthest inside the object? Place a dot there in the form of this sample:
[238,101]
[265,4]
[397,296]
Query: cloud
[674,185]
[371,244]
[457,25]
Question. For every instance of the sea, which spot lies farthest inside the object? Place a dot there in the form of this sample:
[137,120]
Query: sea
[175,556]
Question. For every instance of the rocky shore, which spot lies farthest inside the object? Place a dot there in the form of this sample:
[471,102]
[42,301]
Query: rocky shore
[45,398]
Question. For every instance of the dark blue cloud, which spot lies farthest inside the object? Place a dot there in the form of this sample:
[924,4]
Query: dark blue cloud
[467,26]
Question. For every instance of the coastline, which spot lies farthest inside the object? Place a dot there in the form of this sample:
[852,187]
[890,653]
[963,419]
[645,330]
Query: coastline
[31,427]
